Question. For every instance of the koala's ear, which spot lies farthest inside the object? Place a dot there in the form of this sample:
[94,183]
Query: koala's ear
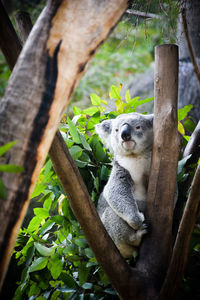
[150,119]
[103,130]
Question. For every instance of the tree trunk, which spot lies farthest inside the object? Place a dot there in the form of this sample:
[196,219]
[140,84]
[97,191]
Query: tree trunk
[157,246]
[51,64]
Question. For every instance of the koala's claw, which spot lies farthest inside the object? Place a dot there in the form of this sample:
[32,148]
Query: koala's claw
[144,228]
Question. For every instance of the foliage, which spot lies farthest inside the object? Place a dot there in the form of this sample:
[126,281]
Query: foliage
[7,167]
[57,261]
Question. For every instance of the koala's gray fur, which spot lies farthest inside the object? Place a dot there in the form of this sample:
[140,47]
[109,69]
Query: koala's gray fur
[129,137]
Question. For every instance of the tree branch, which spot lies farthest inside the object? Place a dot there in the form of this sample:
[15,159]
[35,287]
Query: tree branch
[50,66]
[142,14]
[24,25]
[189,44]
[156,247]
[193,149]
[113,264]
[181,248]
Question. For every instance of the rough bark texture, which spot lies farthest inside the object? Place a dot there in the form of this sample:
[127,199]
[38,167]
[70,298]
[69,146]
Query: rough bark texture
[63,40]
[24,25]
[156,248]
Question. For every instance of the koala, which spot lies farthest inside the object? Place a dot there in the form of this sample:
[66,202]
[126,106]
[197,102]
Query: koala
[122,203]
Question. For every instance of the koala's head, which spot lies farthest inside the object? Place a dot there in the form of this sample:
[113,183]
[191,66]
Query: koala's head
[128,134]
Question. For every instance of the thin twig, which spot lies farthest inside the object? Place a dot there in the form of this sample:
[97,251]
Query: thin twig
[189,44]
[142,14]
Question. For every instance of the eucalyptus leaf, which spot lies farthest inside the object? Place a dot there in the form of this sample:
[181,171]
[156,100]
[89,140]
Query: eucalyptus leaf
[96,100]
[38,264]
[182,163]
[43,250]
[11,169]
[73,131]
[5,148]
[182,112]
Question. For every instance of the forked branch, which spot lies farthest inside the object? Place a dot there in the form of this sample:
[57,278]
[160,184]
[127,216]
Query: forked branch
[181,248]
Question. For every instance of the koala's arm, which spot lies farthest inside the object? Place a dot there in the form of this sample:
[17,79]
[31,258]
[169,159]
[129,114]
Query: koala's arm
[119,194]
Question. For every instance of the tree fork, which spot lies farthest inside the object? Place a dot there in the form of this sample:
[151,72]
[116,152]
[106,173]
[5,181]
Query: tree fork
[48,76]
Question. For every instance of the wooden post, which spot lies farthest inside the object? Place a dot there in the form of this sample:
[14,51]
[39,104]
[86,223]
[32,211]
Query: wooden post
[156,248]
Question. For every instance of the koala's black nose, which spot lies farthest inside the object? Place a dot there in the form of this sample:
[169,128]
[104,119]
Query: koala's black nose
[126,132]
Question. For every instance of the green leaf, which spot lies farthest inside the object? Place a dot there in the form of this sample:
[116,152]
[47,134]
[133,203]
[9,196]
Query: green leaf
[127,96]
[140,102]
[11,168]
[3,193]
[87,286]
[84,142]
[47,226]
[81,164]
[75,151]
[5,148]
[34,224]
[68,280]
[181,128]
[29,254]
[89,253]
[182,163]
[96,100]
[47,203]
[182,112]
[114,93]
[55,266]
[40,187]
[34,290]
[189,124]
[66,290]
[120,106]
[81,242]
[83,272]
[90,111]
[57,219]
[44,251]
[73,131]
[38,264]
[76,110]
[41,212]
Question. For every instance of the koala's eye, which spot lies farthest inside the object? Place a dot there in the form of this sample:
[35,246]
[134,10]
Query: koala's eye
[138,127]
[116,130]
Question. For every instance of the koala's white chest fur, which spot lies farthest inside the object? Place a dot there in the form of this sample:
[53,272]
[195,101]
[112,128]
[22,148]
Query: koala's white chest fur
[138,167]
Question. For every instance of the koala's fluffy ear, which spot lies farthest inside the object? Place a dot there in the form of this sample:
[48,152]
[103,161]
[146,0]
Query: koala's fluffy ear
[103,130]
[150,119]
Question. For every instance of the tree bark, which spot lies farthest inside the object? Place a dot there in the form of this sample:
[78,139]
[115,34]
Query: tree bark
[181,248]
[24,25]
[156,249]
[48,69]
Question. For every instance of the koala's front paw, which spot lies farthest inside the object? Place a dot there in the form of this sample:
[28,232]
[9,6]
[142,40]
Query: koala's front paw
[137,221]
